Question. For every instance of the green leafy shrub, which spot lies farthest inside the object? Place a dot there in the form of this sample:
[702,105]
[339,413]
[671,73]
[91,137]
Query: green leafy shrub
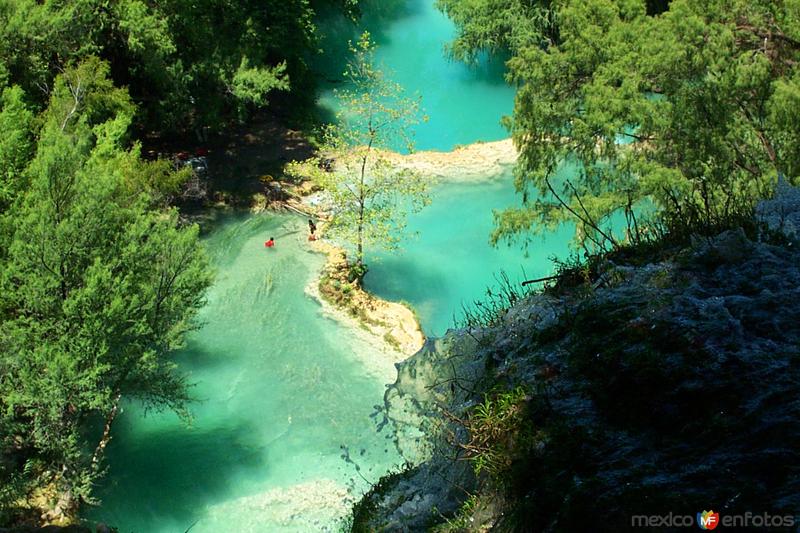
[357,272]
[497,432]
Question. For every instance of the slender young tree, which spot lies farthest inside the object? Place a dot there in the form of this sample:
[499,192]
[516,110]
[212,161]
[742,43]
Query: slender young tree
[371,195]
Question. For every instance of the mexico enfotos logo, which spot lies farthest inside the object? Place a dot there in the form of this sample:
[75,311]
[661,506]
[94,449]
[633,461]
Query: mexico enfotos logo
[709,520]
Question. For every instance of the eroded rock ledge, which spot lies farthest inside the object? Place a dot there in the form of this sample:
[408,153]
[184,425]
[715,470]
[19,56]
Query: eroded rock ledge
[668,384]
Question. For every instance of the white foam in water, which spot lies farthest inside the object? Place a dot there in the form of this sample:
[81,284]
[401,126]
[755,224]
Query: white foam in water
[310,506]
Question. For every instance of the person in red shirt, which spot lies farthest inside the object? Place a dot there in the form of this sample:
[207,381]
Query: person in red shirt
[270,243]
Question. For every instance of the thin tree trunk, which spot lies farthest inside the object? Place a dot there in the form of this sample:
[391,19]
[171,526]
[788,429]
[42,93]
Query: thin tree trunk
[360,247]
[362,200]
[97,456]
[360,243]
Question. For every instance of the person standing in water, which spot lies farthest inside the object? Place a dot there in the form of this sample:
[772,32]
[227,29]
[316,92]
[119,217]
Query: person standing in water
[311,229]
[270,243]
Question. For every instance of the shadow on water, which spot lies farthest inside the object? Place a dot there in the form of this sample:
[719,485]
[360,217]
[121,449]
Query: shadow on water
[171,475]
[489,69]
[404,271]
[378,16]
[196,356]
[337,29]
[430,288]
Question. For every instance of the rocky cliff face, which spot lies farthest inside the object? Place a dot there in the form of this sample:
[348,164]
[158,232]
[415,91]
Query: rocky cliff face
[670,383]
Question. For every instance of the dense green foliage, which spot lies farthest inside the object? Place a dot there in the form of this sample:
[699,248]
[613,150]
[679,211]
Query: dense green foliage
[188,64]
[99,280]
[499,25]
[98,283]
[690,111]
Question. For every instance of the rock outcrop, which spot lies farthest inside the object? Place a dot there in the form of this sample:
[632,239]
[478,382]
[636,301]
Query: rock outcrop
[669,384]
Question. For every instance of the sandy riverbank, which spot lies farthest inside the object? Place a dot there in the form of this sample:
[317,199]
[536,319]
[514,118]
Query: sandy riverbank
[393,325]
[471,162]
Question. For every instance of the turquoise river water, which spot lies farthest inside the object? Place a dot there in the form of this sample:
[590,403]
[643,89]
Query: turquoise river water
[450,261]
[281,386]
[463,104]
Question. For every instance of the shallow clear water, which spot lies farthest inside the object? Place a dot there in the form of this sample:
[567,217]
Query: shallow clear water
[450,262]
[281,386]
[463,104]
[281,389]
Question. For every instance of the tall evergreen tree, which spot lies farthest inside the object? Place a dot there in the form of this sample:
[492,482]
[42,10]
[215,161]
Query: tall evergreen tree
[97,290]
[677,118]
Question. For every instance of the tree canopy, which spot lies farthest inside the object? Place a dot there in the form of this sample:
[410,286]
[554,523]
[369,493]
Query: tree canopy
[499,25]
[683,119]
[98,284]
[187,64]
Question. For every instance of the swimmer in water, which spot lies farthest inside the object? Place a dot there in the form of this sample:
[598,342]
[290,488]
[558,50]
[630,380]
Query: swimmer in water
[270,243]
